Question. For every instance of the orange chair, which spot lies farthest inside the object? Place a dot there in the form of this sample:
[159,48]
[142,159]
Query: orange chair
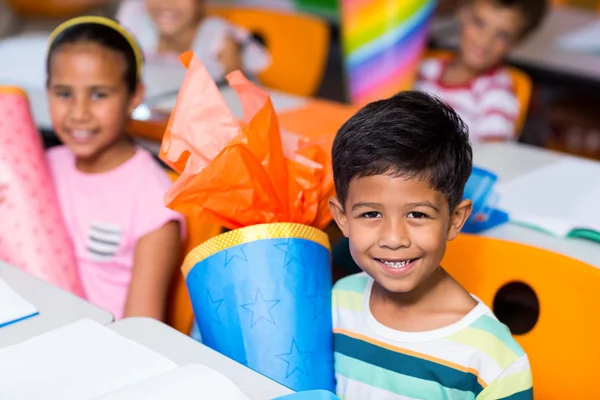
[179,307]
[521,81]
[298,45]
[563,344]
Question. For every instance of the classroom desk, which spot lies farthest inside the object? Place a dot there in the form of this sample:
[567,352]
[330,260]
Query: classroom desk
[183,350]
[511,160]
[540,50]
[56,307]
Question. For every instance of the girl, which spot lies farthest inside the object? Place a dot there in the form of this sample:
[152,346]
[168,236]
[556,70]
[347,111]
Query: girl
[127,243]
[166,29]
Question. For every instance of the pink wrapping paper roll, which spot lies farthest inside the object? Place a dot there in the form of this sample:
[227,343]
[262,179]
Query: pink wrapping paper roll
[32,233]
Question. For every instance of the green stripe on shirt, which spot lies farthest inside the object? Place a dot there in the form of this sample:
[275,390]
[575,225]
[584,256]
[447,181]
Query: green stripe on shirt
[406,365]
[393,382]
[494,327]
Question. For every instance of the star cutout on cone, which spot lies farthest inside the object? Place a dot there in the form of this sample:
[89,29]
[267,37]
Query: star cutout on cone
[295,359]
[211,307]
[261,308]
[235,252]
[295,255]
[321,301]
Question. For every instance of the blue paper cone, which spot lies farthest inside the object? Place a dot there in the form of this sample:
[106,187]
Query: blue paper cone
[262,296]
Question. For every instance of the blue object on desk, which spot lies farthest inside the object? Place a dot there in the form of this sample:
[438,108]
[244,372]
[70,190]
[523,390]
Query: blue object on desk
[310,395]
[480,190]
[266,303]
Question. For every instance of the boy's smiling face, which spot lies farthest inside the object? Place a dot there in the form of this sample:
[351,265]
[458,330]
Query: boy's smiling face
[398,228]
[489,32]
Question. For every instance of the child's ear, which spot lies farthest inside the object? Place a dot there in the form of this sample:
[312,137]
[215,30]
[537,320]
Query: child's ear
[459,216]
[136,98]
[339,215]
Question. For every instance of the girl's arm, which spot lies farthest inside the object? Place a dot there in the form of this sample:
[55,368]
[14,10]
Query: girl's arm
[157,256]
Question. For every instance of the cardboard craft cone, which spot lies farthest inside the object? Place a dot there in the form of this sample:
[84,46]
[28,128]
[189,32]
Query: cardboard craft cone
[262,296]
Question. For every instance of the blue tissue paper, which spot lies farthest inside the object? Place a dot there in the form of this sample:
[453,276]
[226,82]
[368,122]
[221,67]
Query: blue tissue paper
[479,189]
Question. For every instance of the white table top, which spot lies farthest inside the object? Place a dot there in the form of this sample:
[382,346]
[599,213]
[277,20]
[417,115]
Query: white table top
[540,50]
[56,307]
[510,160]
[182,350]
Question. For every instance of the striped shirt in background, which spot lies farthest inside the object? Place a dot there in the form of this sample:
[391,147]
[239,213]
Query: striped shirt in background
[475,358]
[487,104]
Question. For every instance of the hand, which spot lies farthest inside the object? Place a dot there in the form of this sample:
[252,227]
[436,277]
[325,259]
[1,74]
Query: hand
[230,56]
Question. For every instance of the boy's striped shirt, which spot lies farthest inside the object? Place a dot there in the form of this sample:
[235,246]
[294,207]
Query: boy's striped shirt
[475,358]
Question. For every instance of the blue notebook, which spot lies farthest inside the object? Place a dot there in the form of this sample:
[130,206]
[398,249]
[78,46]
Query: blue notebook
[13,307]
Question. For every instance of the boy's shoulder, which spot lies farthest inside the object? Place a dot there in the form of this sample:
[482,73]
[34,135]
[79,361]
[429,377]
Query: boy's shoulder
[491,333]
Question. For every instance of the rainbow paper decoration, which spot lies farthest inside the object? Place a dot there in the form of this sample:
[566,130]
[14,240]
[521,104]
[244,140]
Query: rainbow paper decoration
[262,296]
[383,41]
[33,236]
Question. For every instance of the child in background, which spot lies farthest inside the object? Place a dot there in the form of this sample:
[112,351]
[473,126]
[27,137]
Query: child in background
[474,82]
[127,243]
[404,328]
[166,29]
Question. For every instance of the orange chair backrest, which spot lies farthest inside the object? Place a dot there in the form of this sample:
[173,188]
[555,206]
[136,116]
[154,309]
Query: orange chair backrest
[180,314]
[298,45]
[563,346]
[521,82]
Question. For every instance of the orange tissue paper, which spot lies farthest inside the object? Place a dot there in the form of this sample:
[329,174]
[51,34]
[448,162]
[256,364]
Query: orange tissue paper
[241,173]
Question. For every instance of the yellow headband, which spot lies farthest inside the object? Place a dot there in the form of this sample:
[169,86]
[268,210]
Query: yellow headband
[89,19]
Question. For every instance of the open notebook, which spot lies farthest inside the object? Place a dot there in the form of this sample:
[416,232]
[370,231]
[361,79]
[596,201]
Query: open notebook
[13,307]
[87,361]
[562,199]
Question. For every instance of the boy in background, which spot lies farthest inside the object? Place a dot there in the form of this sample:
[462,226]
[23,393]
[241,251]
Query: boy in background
[404,328]
[474,82]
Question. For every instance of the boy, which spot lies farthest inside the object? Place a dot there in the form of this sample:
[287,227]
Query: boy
[404,329]
[473,82]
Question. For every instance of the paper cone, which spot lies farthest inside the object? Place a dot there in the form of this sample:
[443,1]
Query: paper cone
[32,232]
[262,296]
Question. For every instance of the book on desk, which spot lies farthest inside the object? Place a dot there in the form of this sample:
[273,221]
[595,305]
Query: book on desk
[87,361]
[560,199]
[13,307]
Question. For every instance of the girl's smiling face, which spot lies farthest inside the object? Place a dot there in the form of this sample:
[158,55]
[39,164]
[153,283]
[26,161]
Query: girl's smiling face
[89,99]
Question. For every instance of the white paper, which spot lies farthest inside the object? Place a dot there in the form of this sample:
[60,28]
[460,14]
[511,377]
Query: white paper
[190,382]
[80,361]
[585,39]
[558,198]
[13,307]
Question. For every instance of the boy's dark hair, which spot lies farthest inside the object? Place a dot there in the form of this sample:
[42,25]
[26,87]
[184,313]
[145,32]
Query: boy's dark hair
[533,11]
[104,36]
[411,134]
